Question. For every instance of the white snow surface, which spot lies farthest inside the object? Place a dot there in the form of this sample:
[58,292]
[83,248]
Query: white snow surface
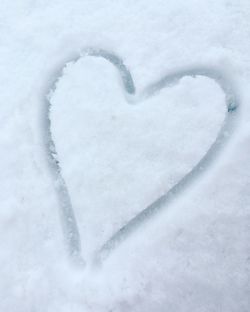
[118,156]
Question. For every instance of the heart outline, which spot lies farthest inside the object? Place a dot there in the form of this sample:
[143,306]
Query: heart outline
[69,222]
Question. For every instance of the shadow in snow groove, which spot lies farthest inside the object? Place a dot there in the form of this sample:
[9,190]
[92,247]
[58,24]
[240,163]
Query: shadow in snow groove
[69,222]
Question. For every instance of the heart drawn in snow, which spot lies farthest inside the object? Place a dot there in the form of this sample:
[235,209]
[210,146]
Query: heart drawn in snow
[118,157]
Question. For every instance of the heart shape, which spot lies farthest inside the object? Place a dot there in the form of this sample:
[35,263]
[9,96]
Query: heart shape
[140,217]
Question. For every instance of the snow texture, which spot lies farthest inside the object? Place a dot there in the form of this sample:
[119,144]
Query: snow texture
[125,138]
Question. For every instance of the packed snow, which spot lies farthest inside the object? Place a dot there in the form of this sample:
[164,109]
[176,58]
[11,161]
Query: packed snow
[89,142]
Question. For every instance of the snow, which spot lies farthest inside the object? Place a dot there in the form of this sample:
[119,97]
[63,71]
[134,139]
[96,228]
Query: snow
[119,153]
